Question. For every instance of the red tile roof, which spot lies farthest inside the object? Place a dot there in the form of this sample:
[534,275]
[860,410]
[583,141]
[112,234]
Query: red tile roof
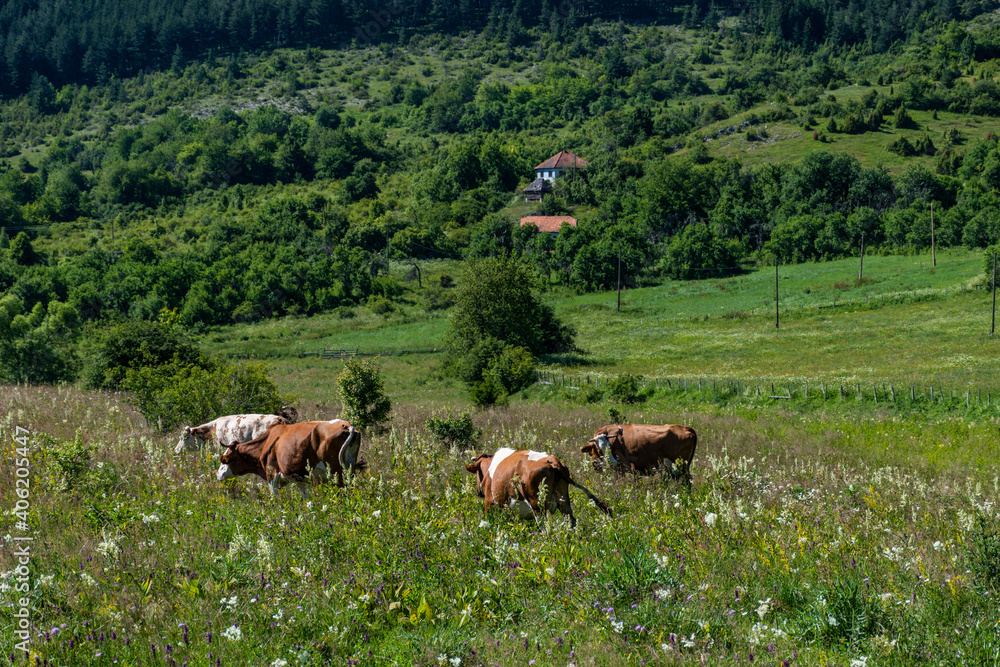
[548,223]
[563,160]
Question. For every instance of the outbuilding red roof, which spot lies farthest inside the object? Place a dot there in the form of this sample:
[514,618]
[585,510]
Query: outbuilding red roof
[548,223]
[563,160]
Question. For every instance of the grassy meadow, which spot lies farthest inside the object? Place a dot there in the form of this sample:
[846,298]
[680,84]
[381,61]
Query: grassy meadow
[815,533]
[800,541]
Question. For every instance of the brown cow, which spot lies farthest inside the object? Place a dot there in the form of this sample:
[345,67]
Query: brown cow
[643,448]
[288,452]
[514,478]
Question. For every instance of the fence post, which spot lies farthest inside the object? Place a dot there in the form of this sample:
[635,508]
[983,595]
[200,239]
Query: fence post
[893,390]
[913,396]
[822,388]
[875,391]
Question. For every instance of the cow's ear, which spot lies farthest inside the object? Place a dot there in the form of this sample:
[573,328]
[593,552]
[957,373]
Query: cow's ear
[473,467]
[590,448]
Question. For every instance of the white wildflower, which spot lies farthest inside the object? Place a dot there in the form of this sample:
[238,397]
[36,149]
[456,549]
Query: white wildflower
[442,658]
[618,626]
[688,643]
[455,661]
[831,620]
[551,571]
[938,546]
[279,662]
[765,606]
[376,514]
[710,519]
[661,594]
[87,579]
[233,633]
[861,661]
[484,523]
[150,518]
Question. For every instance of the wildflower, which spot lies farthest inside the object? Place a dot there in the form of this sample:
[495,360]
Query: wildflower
[861,661]
[710,519]
[765,606]
[279,662]
[551,571]
[442,658]
[376,514]
[456,661]
[831,620]
[618,626]
[938,546]
[87,579]
[233,633]
[150,518]
[662,594]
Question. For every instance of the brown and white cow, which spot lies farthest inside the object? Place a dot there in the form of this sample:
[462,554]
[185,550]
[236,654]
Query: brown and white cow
[294,453]
[643,448]
[232,428]
[513,478]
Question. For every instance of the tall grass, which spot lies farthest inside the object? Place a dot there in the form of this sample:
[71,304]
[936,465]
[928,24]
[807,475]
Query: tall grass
[801,540]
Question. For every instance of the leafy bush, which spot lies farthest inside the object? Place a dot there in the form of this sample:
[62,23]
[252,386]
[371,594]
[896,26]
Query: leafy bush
[513,369]
[625,388]
[136,344]
[362,393]
[174,394]
[457,431]
[901,146]
[487,392]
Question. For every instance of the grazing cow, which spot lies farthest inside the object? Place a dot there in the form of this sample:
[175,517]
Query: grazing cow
[294,452]
[514,478]
[227,430]
[642,448]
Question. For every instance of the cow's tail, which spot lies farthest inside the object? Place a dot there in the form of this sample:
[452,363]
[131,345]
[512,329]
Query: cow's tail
[350,462]
[597,501]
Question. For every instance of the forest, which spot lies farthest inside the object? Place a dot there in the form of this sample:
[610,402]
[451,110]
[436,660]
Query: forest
[231,187]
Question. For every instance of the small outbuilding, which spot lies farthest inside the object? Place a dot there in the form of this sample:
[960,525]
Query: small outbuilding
[537,190]
[548,224]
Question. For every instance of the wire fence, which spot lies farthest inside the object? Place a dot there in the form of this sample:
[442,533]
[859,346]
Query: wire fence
[732,389]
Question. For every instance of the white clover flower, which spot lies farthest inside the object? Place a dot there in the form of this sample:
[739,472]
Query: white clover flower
[233,633]
[376,514]
[938,546]
[150,518]
[710,519]
[618,626]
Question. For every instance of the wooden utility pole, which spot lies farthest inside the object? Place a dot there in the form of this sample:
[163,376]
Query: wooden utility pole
[619,306]
[993,324]
[861,268]
[777,305]
[933,249]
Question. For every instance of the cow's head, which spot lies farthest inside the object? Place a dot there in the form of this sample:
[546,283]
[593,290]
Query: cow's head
[289,414]
[190,440]
[600,445]
[479,468]
[235,463]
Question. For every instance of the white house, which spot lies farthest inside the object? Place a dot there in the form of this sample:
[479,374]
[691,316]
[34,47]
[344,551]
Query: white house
[558,165]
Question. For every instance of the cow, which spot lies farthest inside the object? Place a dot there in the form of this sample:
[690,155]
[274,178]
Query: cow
[514,478]
[232,428]
[644,448]
[294,453]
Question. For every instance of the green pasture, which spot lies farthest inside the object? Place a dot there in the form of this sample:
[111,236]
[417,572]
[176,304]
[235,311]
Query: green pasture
[905,323]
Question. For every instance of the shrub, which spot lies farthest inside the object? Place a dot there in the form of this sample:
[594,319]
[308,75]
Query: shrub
[135,344]
[457,431]
[513,369]
[487,392]
[901,146]
[362,393]
[174,394]
[624,388]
